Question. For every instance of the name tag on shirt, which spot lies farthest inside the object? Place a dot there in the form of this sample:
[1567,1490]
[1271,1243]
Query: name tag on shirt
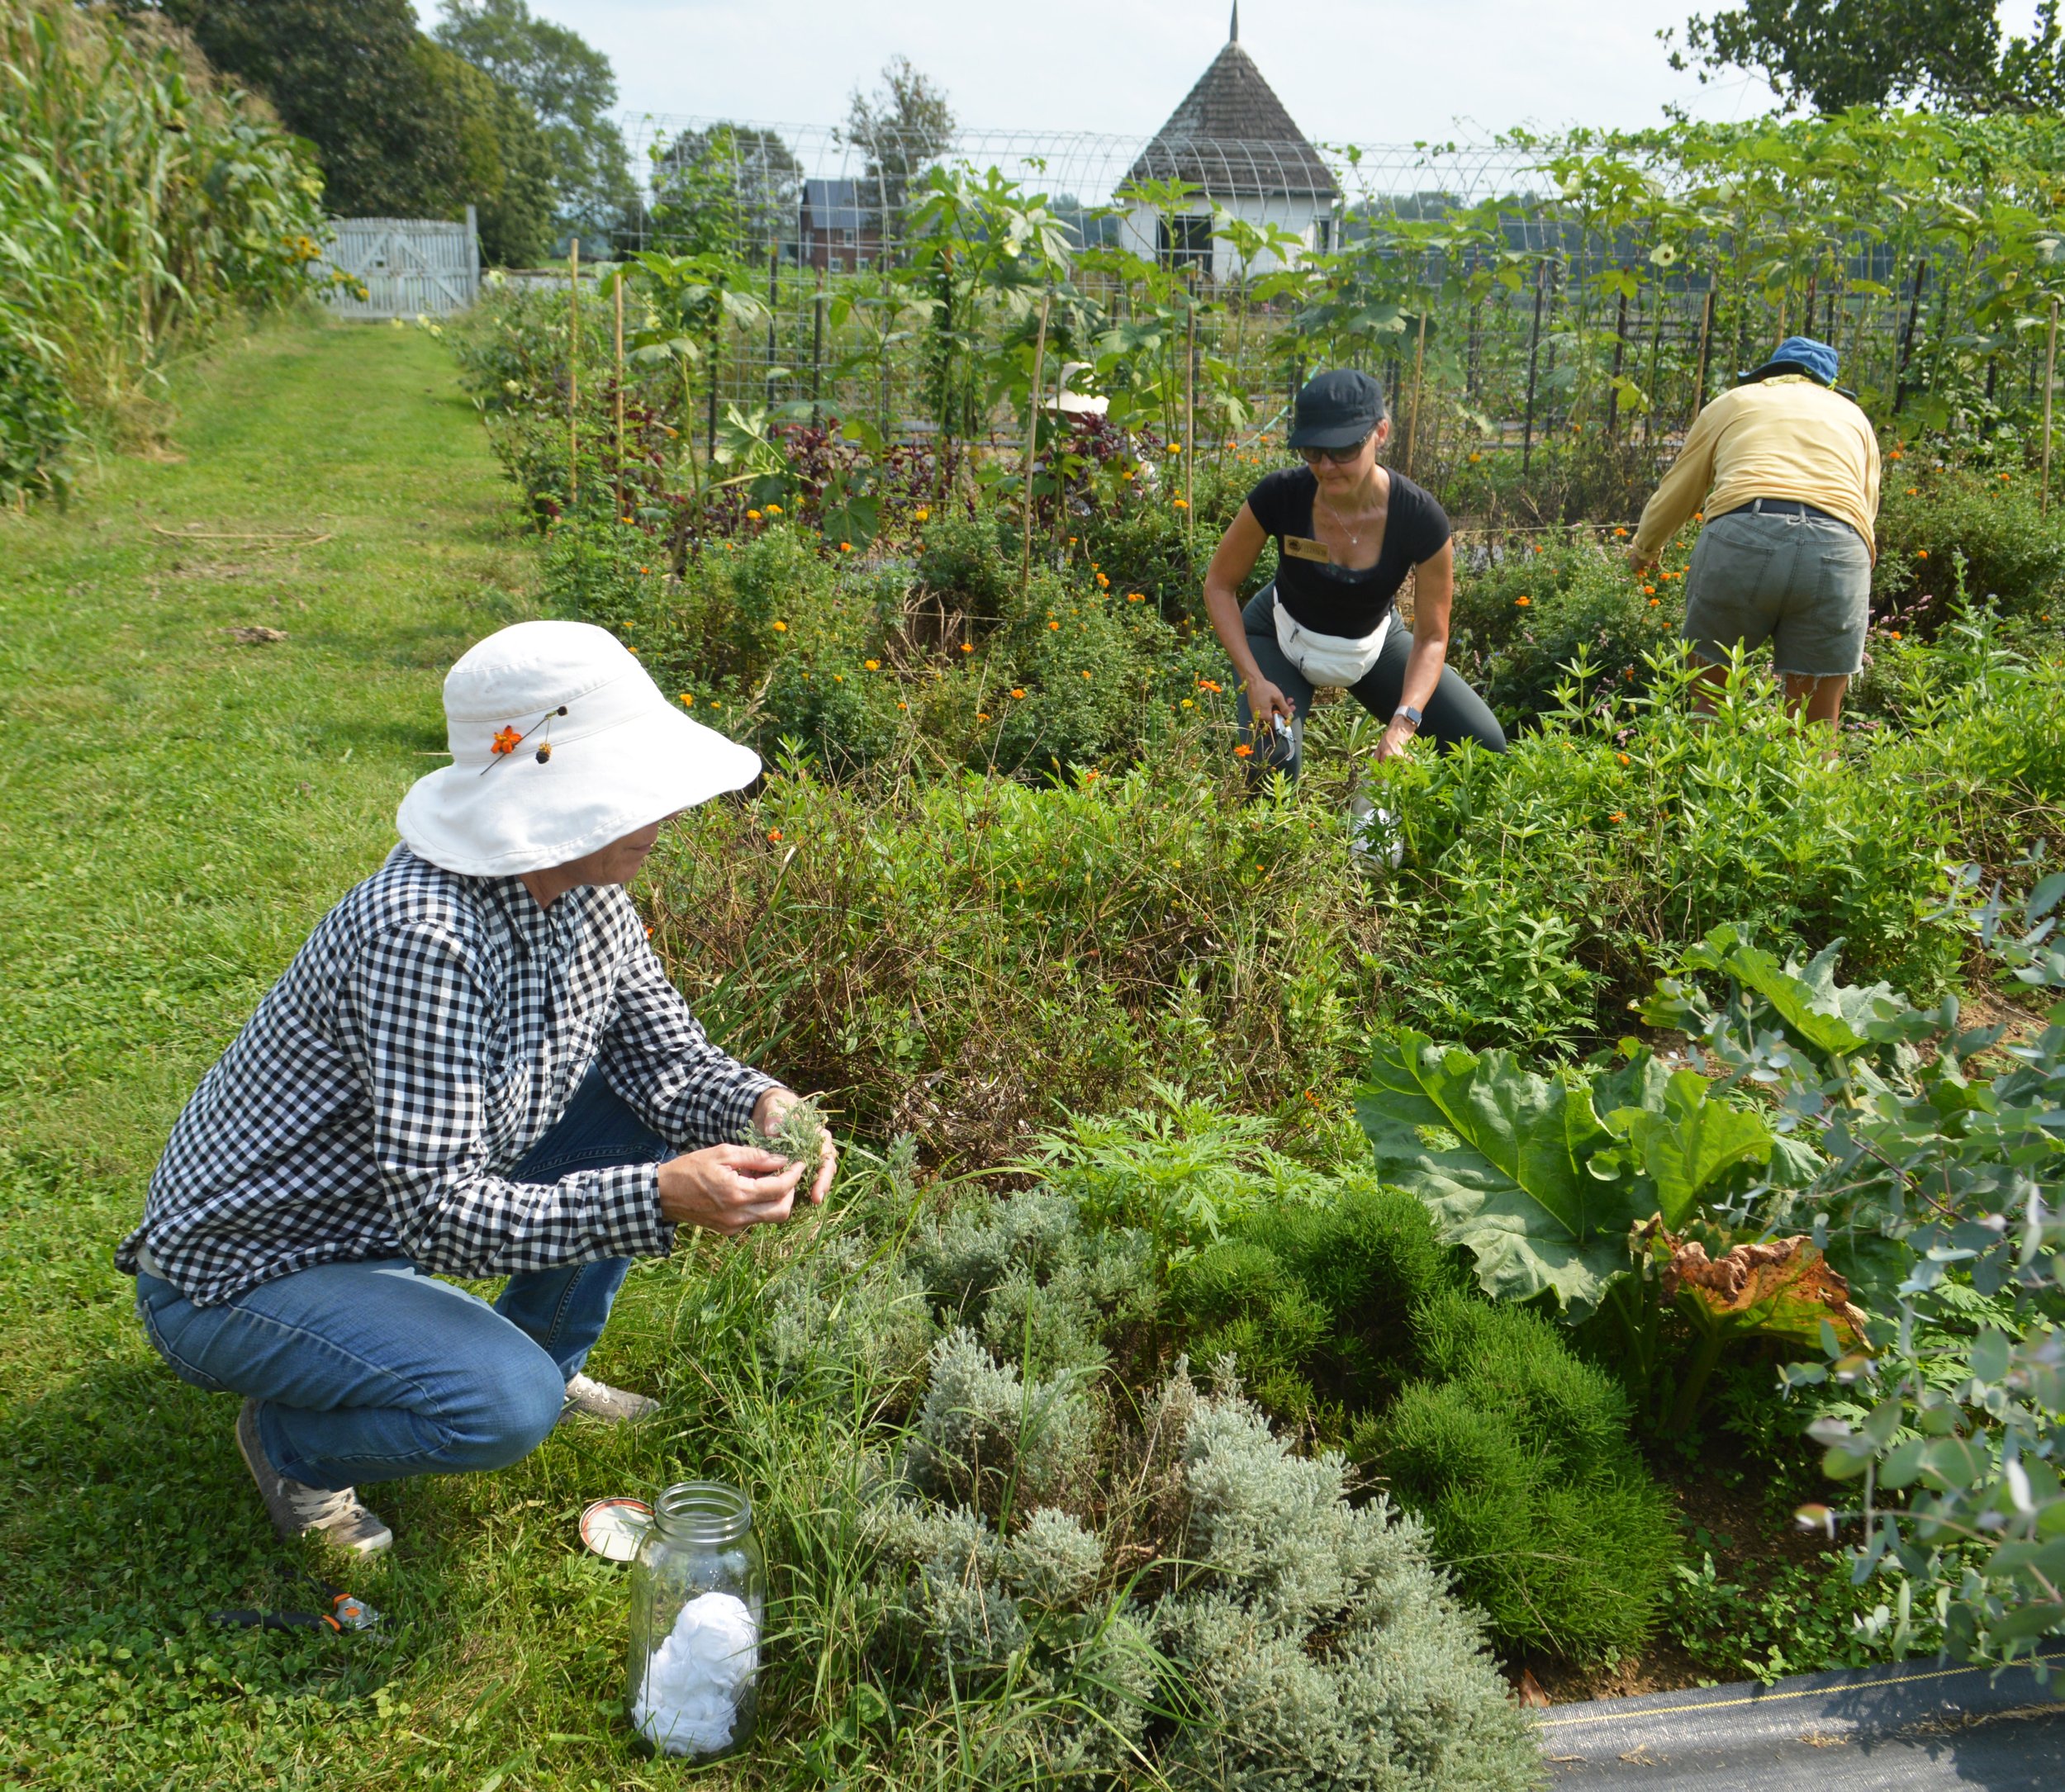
[1305,548]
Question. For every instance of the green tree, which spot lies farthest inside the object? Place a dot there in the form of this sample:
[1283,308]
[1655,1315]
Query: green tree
[901,127]
[729,188]
[571,87]
[346,75]
[1828,54]
[503,167]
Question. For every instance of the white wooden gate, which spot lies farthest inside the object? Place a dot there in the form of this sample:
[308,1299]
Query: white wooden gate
[406,265]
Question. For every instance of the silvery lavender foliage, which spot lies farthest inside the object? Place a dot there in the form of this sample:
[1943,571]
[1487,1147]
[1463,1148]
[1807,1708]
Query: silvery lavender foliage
[1319,1638]
[1034,1284]
[1298,1641]
[852,1313]
[989,1439]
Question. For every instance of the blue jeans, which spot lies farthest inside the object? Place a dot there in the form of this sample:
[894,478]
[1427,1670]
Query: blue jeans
[371,1371]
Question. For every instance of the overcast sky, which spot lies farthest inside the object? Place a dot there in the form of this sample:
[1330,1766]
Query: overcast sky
[1347,70]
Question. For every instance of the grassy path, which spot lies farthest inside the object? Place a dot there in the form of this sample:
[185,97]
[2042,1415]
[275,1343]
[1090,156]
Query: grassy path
[176,810]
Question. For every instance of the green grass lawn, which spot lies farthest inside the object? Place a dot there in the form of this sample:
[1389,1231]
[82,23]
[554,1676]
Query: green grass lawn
[177,810]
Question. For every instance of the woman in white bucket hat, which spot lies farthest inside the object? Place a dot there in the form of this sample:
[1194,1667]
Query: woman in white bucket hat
[474,1067]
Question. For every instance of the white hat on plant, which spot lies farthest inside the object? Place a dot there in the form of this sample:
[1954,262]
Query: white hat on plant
[561,743]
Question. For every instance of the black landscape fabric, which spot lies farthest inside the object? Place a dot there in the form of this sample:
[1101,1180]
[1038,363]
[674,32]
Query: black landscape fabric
[1911,1725]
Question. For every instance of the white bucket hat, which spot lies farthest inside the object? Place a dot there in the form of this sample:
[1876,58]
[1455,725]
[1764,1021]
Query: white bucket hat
[561,743]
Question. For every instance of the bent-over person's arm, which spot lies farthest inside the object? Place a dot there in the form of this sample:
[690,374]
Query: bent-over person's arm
[1671,505]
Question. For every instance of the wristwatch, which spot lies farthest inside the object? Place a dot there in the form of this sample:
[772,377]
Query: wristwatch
[1409,712]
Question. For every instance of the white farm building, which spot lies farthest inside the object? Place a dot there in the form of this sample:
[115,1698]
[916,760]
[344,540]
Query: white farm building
[1233,143]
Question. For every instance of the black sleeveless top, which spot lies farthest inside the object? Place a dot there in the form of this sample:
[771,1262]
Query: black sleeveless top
[1334,600]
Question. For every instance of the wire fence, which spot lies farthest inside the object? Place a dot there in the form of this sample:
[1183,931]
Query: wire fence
[1546,362]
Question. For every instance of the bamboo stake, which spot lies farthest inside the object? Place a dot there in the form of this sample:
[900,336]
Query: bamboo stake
[573,374]
[1412,424]
[2050,380]
[619,390]
[1190,425]
[1534,350]
[1706,342]
[1032,445]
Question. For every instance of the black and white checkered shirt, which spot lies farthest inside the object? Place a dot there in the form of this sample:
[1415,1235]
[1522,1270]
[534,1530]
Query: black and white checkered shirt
[426,1036]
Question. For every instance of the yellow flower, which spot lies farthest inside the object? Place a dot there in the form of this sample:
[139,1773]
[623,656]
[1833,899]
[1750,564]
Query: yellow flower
[1188,704]
[923,513]
[1086,674]
[873,665]
[774,510]
[1182,503]
[752,516]
[688,701]
[981,716]
[1175,447]
[781,627]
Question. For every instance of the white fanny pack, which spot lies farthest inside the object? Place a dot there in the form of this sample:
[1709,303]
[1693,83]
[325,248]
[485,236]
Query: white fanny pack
[1333,661]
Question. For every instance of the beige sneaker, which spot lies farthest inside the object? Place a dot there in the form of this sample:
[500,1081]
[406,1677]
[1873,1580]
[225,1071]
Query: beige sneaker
[598,1400]
[298,1509]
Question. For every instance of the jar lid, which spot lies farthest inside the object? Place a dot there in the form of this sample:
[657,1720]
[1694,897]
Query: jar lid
[614,1529]
[703,1512]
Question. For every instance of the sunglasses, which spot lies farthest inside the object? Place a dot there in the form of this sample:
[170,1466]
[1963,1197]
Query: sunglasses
[1340,456]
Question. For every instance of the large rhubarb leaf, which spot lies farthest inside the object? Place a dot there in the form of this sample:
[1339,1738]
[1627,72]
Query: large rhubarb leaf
[1504,1159]
[1782,1288]
[1691,1142]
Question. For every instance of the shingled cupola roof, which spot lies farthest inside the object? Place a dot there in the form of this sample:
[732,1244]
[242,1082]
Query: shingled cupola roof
[1231,137]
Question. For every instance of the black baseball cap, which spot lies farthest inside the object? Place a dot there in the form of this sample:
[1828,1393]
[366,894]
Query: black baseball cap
[1336,409]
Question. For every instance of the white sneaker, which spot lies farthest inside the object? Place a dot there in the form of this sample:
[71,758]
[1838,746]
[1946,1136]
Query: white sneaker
[598,1400]
[298,1509]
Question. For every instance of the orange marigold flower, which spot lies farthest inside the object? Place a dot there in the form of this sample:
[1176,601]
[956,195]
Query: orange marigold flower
[1622,758]
[1921,553]
[1243,752]
[966,647]
[752,516]
[846,548]
[507,740]
[1649,591]
[1895,633]
[1089,777]
[1654,601]
[1052,624]
[774,510]
[1522,602]
[645,569]
[981,716]
[1018,690]
[781,627]
[873,665]
[1136,597]
[903,706]
[1086,674]
[1616,816]
[1620,532]
[1104,580]
[688,699]
[1182,503]
[774,833]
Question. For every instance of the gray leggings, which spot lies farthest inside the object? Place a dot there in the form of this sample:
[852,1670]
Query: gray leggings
[1454,712]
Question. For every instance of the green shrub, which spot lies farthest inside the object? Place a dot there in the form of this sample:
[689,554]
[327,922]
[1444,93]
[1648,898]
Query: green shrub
[1315,1301]
[1938,523]
[1604,844]
[1516,1455]
[961,957]
[1526,610]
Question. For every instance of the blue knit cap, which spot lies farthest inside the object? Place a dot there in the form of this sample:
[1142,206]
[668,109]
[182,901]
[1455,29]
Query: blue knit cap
[1797,354]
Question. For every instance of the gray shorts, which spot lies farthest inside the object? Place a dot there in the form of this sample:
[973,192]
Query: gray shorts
[1803,583]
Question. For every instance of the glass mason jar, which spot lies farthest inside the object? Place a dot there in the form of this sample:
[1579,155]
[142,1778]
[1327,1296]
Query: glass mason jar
[699,1596]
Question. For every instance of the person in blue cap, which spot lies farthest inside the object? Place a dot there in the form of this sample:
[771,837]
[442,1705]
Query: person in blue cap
[1348,531]
[1788,467]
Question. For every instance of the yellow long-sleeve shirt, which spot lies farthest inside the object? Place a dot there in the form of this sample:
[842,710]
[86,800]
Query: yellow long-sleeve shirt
[1782,438]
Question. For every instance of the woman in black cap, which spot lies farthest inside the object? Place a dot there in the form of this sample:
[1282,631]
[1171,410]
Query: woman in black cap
[1348,531]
